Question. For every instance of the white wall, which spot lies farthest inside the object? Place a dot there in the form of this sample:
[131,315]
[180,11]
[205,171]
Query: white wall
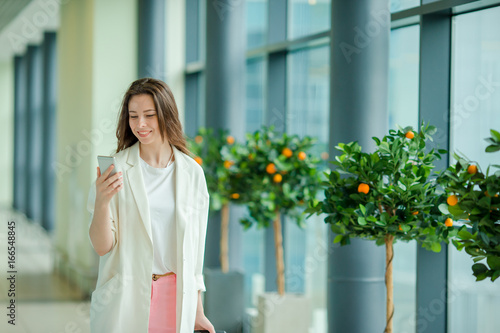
[6,132]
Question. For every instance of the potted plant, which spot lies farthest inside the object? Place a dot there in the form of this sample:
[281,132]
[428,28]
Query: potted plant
[276,176]
[387,195]
[224,299]
[473,198]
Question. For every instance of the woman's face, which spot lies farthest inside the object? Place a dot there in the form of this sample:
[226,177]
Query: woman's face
[143,119]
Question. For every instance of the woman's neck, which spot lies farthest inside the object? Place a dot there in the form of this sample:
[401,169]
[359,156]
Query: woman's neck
[157,155]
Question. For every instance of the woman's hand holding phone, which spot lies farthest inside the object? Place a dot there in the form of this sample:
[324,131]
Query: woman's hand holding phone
[107,186]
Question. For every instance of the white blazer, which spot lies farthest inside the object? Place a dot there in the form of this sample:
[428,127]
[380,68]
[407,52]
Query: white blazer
[121,300]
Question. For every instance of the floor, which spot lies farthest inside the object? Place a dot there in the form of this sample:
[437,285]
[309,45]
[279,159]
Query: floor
[44,302]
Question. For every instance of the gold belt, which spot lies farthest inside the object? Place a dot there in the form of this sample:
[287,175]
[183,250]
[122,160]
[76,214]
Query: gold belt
[157,276]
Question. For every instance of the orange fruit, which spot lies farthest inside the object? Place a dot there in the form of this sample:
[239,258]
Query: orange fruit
[472,169]
[363,188]
[287,152]
[227,164]
[301,202]
[199,160]
[410,135]
[486,194]
[302,156]
[414,213]
[401,229]
[324,155]
[452,200]
[271,168]
[277,178]
[198,139]
[230,139]
[250,157]
[235,195]
[448,222]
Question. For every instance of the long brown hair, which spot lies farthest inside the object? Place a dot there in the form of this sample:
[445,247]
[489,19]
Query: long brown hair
[166,108]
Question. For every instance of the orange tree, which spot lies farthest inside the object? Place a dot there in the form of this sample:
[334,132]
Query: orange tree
[275,175]
[385,196]
[473,196]
[207,147]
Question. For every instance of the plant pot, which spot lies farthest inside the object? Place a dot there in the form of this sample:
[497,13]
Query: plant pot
[290,313]
[224,299]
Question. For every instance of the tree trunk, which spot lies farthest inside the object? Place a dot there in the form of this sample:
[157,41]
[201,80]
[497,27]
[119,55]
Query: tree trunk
[278,244]
[389,256]
[224,231]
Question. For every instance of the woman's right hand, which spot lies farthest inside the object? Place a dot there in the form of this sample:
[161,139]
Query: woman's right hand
[106,187]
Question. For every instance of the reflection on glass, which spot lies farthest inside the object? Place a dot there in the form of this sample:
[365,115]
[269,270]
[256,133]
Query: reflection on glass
[307,17]
[473,306]
[475,84]
[253,238]
[403,77]
[399,5]
[308,114]
[256,13]
[255,86]
[403,111]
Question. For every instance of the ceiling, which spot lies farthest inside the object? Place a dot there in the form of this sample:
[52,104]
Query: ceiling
[23,22]
[9,9]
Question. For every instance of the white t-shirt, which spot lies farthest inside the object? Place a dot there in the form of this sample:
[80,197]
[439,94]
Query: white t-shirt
[160,189]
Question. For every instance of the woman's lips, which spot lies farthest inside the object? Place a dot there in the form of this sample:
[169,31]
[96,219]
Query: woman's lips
[144,134]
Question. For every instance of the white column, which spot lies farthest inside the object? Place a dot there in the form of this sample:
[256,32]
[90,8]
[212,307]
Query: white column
[6,131]
[97,61]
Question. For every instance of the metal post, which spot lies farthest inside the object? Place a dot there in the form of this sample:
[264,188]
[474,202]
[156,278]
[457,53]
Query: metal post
[34,134]
[435,64]
[275,115]
[224,99]
[359,89]
[49,129]
[151,39]
[20,143]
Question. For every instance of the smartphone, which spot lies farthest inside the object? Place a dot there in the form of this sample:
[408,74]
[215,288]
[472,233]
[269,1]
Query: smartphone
[105,162]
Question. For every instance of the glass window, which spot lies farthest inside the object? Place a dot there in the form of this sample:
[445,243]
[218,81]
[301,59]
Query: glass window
[404,77]
[403,111]
[307,17]
[195,27]
[307,114]
[255,85]
[399,5]
[473,306]
[253,240]
[475,83]
[256,12]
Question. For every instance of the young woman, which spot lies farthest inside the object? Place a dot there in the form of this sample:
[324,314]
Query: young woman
[149,222]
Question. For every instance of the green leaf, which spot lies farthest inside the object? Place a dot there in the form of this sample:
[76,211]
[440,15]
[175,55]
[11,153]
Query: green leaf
[493,262]
[464,234]
[457,211]
[495,275]
[443,208]
[361,221]
[337,239]
[479,269]
[436,247]
[495,134]
[492,148]
[481,276]
[363,209]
